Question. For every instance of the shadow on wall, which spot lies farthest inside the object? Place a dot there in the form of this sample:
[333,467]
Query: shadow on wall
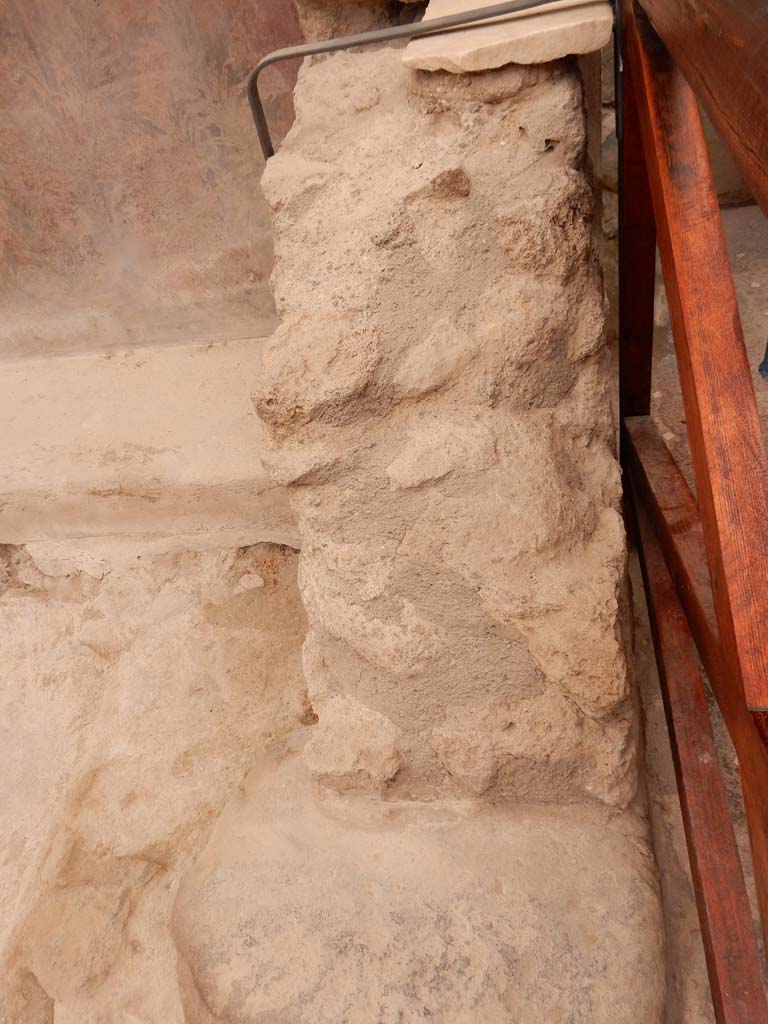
[132,212]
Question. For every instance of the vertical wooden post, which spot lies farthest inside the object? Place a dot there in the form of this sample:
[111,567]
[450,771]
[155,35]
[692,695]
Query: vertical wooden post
[720,409]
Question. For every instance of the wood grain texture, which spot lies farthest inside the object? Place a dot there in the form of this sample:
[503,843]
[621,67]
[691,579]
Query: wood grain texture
[723,428]
[722,48]
[733,959]
[660,486]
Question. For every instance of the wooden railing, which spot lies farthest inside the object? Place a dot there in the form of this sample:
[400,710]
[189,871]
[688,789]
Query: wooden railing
[721,46]
[705,559]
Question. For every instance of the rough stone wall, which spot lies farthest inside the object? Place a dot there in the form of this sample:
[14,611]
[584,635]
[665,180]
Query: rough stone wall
[437,393]
[194,839]
[138,690]
[324,19]
[321,19]
[437,396]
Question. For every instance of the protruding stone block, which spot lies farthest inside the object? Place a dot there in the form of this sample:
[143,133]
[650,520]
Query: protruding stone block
[530,37]
[322,911]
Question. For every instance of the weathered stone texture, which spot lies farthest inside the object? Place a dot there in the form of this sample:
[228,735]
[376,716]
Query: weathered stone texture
[137,692]
[347,910]
[438,399]
[325,19]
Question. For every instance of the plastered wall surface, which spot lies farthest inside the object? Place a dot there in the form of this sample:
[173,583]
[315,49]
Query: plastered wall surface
[131,213]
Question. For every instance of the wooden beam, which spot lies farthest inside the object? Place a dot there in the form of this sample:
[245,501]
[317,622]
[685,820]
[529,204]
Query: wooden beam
[721,414]
[722,48]
[733,958]
[659,485]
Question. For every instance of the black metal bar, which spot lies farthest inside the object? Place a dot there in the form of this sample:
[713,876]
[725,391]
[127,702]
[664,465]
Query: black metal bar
[431,27]
[618,74]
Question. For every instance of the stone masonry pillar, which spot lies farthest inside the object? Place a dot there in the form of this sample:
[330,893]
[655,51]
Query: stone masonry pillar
[451,839]
[438,397]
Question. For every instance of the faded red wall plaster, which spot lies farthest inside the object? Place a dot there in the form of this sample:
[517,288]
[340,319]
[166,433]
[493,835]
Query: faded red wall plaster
[131,211]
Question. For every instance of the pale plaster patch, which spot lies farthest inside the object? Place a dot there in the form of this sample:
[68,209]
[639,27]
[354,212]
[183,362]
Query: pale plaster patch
[160,442]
